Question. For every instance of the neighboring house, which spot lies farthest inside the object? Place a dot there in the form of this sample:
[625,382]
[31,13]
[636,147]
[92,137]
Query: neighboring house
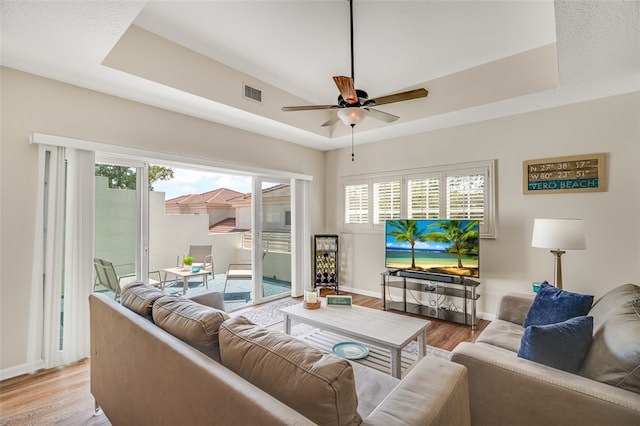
[230,211]
[276,209]
[216,204]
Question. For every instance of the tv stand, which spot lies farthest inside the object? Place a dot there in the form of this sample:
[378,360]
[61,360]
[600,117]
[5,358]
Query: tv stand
[461,288]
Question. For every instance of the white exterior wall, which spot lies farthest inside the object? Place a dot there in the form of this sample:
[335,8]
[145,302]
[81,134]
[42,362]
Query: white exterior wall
[171,235]
[219,214]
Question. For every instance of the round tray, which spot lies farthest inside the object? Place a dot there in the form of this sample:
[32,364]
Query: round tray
[350,350]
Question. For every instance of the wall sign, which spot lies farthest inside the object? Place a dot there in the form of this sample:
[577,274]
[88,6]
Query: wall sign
[576,173]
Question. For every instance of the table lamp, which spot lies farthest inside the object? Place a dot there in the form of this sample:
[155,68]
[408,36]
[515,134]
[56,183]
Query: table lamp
[558,235]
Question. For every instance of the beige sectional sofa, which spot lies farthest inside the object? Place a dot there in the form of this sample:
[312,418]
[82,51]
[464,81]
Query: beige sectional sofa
[507,390]
[167,360]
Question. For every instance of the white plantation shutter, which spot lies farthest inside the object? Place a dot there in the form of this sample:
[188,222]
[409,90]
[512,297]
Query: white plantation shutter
[386,201]
[356,204]
[458,191]
[423,198]
[465,197]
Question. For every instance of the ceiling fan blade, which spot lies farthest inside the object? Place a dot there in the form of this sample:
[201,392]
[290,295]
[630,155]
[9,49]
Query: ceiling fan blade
[398,97]
[346,88]
[381,115]
[309,107]
[330,122]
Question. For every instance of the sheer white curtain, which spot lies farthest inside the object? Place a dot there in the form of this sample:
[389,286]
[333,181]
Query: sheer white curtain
[79,236]
[63,258]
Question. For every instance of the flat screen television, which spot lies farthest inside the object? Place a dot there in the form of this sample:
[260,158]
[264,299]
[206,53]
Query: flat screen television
[441,246]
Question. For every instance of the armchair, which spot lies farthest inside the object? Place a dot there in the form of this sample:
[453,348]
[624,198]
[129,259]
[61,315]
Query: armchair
[202,257]
[107,277]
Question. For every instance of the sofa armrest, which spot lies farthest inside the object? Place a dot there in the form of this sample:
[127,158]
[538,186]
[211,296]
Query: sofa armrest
[435,392]
[213,299]
[513,307]
[507,390]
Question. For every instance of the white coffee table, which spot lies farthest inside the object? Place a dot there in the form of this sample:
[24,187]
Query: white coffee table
[185,274]
[386,330]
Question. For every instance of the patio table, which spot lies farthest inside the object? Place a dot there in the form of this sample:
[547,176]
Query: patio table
[185,274]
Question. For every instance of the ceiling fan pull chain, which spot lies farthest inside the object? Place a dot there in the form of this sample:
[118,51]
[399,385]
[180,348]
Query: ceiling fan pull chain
[353,156]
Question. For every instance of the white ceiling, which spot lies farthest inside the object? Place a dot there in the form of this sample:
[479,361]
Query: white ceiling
[478,59]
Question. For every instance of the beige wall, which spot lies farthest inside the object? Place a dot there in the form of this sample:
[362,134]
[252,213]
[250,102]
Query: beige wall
[35,104]
[509,263]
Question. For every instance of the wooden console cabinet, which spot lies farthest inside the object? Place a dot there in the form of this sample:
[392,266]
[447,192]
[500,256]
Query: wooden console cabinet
[462,290]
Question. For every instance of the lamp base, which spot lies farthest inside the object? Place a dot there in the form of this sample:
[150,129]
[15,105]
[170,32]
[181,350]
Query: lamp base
[558,261]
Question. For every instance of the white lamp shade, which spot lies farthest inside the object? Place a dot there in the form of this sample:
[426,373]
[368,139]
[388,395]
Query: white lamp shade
[352,115]
[558,234]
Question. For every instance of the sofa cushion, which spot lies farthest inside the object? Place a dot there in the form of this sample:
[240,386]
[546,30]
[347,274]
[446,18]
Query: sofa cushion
[614,357]
[503,334]
[140,298]
[319,385]
[553,305]
[191,322]
[608,305]
[563,345]
[372,387]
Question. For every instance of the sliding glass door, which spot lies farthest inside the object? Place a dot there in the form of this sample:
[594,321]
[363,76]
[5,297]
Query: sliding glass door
[272,239]
[121,224]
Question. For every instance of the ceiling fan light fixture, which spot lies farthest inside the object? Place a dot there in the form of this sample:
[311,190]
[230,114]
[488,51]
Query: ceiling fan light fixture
[352,116]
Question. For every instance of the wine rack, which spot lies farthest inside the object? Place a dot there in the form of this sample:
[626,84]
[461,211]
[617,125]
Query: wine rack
[326,261]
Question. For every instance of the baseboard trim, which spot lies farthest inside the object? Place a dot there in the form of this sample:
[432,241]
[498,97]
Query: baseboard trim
[21,369]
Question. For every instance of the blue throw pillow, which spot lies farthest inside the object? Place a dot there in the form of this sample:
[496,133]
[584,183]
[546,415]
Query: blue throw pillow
[563,346]
[553,305]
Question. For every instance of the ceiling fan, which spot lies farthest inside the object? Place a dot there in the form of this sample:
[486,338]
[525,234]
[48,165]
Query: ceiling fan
[354,104]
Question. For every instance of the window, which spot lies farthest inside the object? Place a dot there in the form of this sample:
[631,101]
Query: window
[465,197]
[459,191]
[423,198]
[356,202]
[386,201]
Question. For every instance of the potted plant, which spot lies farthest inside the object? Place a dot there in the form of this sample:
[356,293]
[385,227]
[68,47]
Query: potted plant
[187,261]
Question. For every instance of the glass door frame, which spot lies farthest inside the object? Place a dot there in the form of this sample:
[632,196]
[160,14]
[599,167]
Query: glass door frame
[142,208]
[257,220]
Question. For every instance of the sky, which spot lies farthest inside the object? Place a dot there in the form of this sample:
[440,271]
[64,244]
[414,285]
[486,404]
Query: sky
[196,182]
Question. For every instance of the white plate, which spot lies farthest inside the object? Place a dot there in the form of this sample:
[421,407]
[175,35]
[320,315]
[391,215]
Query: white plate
[350,350]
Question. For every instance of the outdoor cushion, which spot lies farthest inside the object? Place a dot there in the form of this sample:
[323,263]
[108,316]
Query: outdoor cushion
[553,305]
[140,298]
[317,384]
[563,345]
[196,324]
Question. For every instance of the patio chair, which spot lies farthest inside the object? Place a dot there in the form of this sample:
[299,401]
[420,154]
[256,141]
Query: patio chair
[202,257]
[106,276]
[238,271]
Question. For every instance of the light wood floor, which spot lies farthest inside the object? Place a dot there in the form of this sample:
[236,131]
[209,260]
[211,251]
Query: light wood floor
[61,396]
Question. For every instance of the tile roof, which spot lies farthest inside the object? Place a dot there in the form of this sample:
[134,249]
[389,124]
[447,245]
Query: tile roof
[226,225]
[220,196]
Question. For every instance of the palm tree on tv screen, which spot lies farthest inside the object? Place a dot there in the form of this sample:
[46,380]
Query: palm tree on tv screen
[462,238]
[407,231]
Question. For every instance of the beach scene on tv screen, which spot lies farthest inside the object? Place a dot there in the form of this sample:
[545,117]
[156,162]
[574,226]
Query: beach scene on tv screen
[433,245]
